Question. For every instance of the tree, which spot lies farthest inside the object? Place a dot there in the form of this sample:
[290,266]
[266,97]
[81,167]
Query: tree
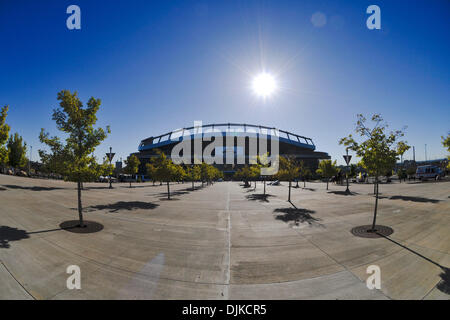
[306,176]
[446,142]
[244,174]
[289,170]
[132,166]
[17,150]
[255,172]
[151,171]
[106,168]
[166,171]
[74,159]
[193,174]
[327,169]
[378,151]
[402,174]
[4,134]
[262,162]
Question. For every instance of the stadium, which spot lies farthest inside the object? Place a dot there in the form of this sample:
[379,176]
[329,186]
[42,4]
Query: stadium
[230,141]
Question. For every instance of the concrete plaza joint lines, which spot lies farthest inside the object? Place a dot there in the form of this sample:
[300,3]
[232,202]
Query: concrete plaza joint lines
[223,241]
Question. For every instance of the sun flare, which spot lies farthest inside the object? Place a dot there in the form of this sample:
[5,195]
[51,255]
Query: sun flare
[264,85]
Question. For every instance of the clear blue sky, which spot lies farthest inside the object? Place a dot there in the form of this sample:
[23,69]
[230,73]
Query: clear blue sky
[160,65]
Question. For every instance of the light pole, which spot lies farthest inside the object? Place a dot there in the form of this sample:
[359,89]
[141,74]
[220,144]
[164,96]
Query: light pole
[347,160]
[110,156]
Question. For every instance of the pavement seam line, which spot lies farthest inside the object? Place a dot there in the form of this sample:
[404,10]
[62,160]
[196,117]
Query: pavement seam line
[6,268]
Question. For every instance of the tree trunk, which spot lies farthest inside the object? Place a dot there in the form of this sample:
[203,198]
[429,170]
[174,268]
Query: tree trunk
[130,183]
[255,184]
[80,207]
[304,183]
[192,184]
[264,186]
[327,183]
[289,197]
[376,206]
[168,191]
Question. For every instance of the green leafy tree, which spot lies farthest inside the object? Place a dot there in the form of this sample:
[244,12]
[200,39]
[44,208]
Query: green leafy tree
[151,171]
[411,171]
[327,169]
[132,166]
[107,169]
[17,150]
[261,162]
[378,151]
[4,134]
[306,176]
[244,174]
[402,174]
[288,171]
[166,171]
[74,159]
[193,174]
[445,143]
[353,170]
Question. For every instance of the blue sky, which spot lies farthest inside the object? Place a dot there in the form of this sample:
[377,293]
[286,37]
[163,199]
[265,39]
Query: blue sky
[161,65]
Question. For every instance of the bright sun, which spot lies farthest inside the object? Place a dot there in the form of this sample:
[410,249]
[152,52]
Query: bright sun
[264,85]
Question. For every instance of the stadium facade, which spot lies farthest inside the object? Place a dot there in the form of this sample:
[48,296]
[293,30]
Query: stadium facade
[233,143]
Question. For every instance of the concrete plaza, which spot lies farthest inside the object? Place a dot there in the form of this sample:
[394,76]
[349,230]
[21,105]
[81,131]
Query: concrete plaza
[223,241]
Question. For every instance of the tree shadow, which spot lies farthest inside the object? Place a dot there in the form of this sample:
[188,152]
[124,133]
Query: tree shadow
[8,234]
[309,189]
[296,215]
[444,284]
[123,205]
[97,188]
[414,199]
[344,193]
[259,197]
[10,186]
[172,193]
[2,189]
[190,189]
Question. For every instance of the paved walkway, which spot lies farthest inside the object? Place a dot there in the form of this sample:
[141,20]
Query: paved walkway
[223,242]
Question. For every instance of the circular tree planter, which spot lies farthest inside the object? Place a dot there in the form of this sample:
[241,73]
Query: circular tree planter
[367,232]
[74,226]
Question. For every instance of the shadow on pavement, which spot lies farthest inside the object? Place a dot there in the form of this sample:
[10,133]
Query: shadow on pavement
[444,284]
[343,193]
[10,186]
[74,226]
[414,199]
[123,205]
[259,197]
[296,215]
[8,234]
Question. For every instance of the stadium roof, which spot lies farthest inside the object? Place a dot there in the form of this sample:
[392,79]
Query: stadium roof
[236,129]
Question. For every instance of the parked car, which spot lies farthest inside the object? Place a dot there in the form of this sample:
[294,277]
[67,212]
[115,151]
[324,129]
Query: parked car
[429,172]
